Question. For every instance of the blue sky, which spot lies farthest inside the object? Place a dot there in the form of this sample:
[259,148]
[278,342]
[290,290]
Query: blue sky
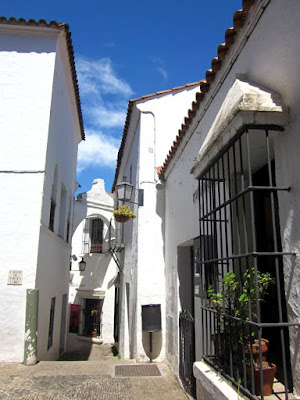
[126,49]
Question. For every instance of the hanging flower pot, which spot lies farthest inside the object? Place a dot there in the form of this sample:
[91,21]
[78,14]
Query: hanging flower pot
[123,214]
[121,218]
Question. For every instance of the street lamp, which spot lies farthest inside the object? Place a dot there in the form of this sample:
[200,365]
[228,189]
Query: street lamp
[82,265]
[124,193]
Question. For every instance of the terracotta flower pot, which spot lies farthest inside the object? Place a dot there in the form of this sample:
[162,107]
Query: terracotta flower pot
[269,371]
[255,348]
[94,334]
[121,218]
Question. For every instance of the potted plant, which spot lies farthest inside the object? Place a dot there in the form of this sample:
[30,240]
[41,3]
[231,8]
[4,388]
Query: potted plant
[94,333]
[269,371]
[237,299]
[123,214]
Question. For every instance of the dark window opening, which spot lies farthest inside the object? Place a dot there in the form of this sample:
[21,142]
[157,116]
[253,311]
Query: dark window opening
[96,235]
[52,215]
[68,231]
[51,323]
[93,236]
[265,242]
[92,317]
[239,262]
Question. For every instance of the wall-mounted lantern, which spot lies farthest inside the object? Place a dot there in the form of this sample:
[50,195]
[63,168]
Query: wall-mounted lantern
[82,265]
[124,193]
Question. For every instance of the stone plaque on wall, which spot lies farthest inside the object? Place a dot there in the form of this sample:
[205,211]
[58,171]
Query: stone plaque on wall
[15,277]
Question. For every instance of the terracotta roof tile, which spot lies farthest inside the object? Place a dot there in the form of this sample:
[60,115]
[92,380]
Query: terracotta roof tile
[222,51]
[204,86]
[175,89]
[239,19]
[230,36]
[210,75]
[65,28]
[216,64]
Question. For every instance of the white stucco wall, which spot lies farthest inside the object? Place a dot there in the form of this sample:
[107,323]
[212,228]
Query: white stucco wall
[26,77]
[129,259]
[39,123]
[153,126]
[54,252]
[101,269]
[274,42]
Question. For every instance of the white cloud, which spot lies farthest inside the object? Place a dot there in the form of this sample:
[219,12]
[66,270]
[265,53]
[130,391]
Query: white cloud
[104,98]
[97,150]
[160,67]
[98,77]
[106,117]
[163,73]
[109,44]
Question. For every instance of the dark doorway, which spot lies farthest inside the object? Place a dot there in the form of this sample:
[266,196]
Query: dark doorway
[185,267]
[185,277]
[92,317]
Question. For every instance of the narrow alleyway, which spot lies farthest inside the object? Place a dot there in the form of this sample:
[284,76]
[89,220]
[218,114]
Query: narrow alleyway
[94,378]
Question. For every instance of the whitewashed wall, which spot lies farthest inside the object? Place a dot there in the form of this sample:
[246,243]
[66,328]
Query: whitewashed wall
[270,58]
[100,268]
[26,77]
[40,129]
[153,126]
[54,252]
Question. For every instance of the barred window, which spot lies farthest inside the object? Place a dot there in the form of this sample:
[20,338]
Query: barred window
[239,263]
[93,235]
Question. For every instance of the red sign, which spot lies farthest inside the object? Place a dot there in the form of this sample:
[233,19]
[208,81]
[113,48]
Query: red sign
[74,318]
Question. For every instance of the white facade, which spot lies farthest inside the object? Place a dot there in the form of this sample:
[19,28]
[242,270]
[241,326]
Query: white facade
[97,281]
[265,57]
[40,133]
[149,132]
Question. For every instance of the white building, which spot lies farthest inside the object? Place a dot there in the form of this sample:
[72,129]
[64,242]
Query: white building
[235,166]
[92,292]
[41,126]
[148,134]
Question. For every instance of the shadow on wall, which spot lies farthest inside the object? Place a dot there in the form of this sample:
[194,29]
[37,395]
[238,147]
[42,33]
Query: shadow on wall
[96,269]
[156,343]
[160,211]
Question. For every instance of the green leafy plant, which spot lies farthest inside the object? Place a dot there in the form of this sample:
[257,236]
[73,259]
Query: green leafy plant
[236,302]
[124,211]
[238,299]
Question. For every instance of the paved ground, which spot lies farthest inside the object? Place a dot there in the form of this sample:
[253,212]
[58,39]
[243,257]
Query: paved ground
[91,379]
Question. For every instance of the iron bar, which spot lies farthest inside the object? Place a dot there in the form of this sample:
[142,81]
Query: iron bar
[245,191]
[230,190]
[277,268]
[252,254]
[230,379]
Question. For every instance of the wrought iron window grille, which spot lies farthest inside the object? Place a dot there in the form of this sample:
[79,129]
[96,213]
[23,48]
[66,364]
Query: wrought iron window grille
[239,232]
[93,236]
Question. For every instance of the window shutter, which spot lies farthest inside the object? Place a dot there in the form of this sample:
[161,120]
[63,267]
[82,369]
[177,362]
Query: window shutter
[86,237]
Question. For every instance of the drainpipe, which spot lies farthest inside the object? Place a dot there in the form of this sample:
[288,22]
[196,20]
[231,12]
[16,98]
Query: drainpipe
[31,319]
